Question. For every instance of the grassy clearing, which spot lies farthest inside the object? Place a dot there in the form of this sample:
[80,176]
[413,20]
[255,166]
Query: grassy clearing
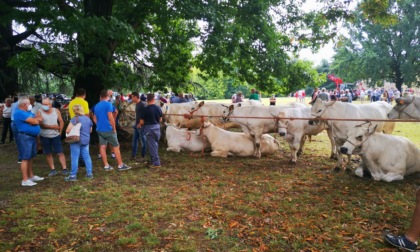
[196,203]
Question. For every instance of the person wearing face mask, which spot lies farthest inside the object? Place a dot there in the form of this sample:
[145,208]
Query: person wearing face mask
[28,126]
[33,107]
[51,128]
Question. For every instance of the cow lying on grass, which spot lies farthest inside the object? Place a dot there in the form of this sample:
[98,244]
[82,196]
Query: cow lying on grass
[182,139]
[224,143]
[385,157]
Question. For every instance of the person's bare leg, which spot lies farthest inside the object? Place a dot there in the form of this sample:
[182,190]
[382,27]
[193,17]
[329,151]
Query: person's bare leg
[413,233]
[118,155]
[30,171]
[50,161]
[62,160]
[24,169]
[102,150]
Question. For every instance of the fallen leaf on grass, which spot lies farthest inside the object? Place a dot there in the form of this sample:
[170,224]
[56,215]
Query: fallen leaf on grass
[50,230]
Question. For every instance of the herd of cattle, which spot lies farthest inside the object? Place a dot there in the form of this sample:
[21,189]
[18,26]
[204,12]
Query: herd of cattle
[353,129]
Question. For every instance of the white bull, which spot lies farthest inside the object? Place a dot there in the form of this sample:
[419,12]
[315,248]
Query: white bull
[182,139]
[254,126]
[224,143]
[406,108]
[345,110]
[385,157]
[295,131]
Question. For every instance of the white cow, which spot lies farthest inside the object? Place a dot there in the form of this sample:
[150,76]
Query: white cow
[213,112]
[345,110]
[295,131]
[385,157]
[254,126]
[224,143]
[173,113]
[406,108]
[182,139]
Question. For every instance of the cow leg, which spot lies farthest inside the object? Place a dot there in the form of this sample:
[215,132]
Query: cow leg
[301,144]
[217,153]
[348,166]
[339,160]
[359,172]
[257,144]
[389,177]
[333,148]
[293,151]
[174,149]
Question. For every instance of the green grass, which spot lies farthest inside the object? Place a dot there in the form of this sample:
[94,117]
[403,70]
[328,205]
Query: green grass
[196,203]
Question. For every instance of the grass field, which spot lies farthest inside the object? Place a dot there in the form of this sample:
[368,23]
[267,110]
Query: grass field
[201,203]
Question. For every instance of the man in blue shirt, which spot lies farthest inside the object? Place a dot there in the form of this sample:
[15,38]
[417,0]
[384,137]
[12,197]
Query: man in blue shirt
[28,126]
[107,131]
[178,99]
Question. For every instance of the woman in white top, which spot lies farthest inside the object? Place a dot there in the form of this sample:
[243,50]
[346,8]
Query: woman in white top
[6,113]
[51,128]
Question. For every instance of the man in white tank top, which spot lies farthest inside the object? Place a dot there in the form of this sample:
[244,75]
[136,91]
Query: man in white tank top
[51,128]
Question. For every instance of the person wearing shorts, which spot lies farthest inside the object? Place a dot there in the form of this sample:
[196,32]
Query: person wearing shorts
[107,131]
[28,127]
[51,127]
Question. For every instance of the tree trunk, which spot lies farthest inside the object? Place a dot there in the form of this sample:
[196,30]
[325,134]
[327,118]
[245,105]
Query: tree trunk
[91,79]
[399,79]
[8,75]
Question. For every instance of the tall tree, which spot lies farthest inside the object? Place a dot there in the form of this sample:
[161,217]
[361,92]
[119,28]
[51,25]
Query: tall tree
[376,52]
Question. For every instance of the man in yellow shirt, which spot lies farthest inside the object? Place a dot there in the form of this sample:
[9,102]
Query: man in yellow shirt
[78,100]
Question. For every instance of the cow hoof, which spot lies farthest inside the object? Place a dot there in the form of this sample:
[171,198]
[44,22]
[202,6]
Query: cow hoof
[337,169]
[333,157]
[348,170]
[292,162]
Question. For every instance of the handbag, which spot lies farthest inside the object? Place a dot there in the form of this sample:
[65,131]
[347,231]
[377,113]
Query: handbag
[74,135]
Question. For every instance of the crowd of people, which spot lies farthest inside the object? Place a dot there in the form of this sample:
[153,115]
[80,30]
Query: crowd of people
[346,95]
[37,127]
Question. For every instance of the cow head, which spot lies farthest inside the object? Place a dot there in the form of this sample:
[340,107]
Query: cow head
[227,111]
[282,123]
[404,109]
[355,139]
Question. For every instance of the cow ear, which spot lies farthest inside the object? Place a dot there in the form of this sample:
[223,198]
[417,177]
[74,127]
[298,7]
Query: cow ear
[201,104]
[231,107]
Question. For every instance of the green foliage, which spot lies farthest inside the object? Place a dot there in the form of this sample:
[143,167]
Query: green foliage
[377,52]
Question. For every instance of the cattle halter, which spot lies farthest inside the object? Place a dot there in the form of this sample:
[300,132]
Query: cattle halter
[401,111]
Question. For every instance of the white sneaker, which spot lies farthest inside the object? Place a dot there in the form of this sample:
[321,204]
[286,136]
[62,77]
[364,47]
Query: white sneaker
[28,183]
[36,178]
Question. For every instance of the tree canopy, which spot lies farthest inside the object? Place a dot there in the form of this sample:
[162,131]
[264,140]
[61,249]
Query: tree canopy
[154,45]
[376,52]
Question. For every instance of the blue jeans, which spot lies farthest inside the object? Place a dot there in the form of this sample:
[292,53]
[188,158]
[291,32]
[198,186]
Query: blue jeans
[77,150]
[152,133]
[138,135]
[15,134]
